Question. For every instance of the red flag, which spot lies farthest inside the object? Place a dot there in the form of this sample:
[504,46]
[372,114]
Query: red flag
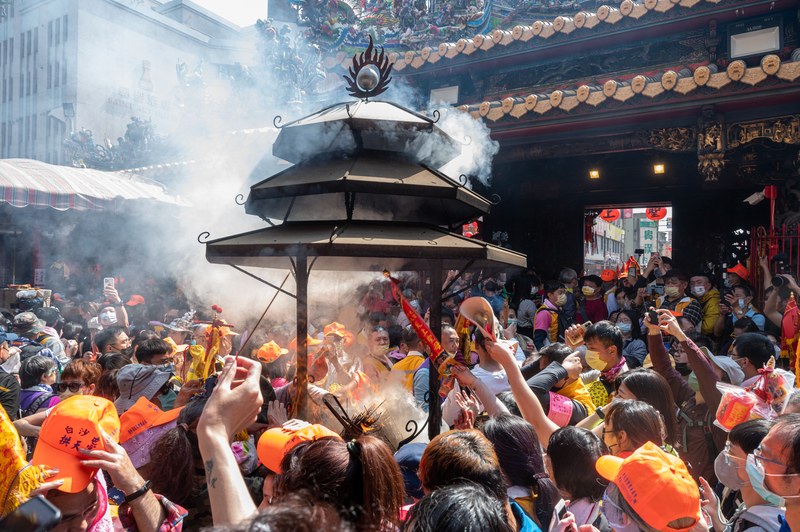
[439,357]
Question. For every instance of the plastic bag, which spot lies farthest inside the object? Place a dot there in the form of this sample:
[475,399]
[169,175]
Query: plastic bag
[764,399]
[772,386]
[735,406]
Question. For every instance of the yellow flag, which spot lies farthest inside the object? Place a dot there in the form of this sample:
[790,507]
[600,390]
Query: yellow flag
[17,477]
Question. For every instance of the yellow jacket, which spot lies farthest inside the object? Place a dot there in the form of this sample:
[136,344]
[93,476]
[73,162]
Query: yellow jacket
[577,391]
[710,304]
[406,369]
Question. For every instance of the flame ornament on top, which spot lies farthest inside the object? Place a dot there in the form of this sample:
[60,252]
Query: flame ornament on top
[362,83]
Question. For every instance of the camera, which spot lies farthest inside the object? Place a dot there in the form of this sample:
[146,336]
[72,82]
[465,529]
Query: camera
[781,261]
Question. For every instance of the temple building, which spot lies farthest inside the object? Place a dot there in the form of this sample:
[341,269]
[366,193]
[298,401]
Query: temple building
[693,104]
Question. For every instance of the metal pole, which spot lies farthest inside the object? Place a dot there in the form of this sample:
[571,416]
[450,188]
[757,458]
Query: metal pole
[435,404]
[301,378]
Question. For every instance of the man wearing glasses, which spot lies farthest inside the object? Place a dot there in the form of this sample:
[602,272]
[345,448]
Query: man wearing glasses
[774,469]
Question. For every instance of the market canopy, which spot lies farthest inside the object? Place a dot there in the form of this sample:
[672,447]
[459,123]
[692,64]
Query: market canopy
[31,183]
[359,246]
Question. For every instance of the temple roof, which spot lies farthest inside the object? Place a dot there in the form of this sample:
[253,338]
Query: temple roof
[690,82]
[652,15]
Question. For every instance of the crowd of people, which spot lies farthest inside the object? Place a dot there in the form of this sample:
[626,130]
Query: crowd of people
[584,403]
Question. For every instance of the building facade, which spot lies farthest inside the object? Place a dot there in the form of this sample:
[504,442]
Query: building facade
[72,64]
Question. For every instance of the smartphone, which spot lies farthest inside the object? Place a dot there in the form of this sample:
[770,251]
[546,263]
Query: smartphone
[108,282]
[653,317]
[632,273]
[559,513]
[34,515]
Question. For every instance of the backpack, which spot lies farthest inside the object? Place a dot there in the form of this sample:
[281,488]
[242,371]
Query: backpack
[32,409]
[706,423]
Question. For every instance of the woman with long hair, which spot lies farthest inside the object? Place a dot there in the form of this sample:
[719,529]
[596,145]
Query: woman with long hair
[648,386]
[359,478]
[519,451]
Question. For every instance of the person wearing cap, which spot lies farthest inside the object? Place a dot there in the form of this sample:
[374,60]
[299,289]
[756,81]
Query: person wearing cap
[569,278]
[77,439]
[137,311]
[31,337]
[9,385]
[609,278]
[698,399]
[708,297]
[180,328]
[739,275]
[641,485]
[151,382]
[592,308]
[675,284]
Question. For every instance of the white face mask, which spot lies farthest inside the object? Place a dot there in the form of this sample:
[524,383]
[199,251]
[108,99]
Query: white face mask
[415,304]
[699,291]
[741,303]
[108,318]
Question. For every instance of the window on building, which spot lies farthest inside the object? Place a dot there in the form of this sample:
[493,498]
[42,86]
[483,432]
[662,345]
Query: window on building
[64,73]
[5,52]
[11,50]
[21,45]
[28,89]
[50,34]
[49,76]
[47,127]
[36,40]
[56,75]
[35,80]
[30,44]
[58,30]
[10,89]
[5,86]
[33,127]
[3,139]
[21,85]
[66,26]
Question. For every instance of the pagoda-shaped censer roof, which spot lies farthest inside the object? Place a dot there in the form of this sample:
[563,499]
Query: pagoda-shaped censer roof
[365,160]
[383,187]
[347,128]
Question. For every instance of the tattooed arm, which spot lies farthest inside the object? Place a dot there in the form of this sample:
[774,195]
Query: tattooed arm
[232,407]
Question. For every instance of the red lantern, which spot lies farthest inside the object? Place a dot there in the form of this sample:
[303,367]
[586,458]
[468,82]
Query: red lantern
[609,215]
[656,213]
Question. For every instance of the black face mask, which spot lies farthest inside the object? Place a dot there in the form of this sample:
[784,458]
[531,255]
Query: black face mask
[683,368]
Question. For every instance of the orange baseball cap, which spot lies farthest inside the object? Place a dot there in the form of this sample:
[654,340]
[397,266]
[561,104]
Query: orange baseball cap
[270,352]
[73,424]
[275,443]
[311,341]
[223,331]
[608,275]
[650,475]
[335,329]
[135,300]
[740,270]
[141,416]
